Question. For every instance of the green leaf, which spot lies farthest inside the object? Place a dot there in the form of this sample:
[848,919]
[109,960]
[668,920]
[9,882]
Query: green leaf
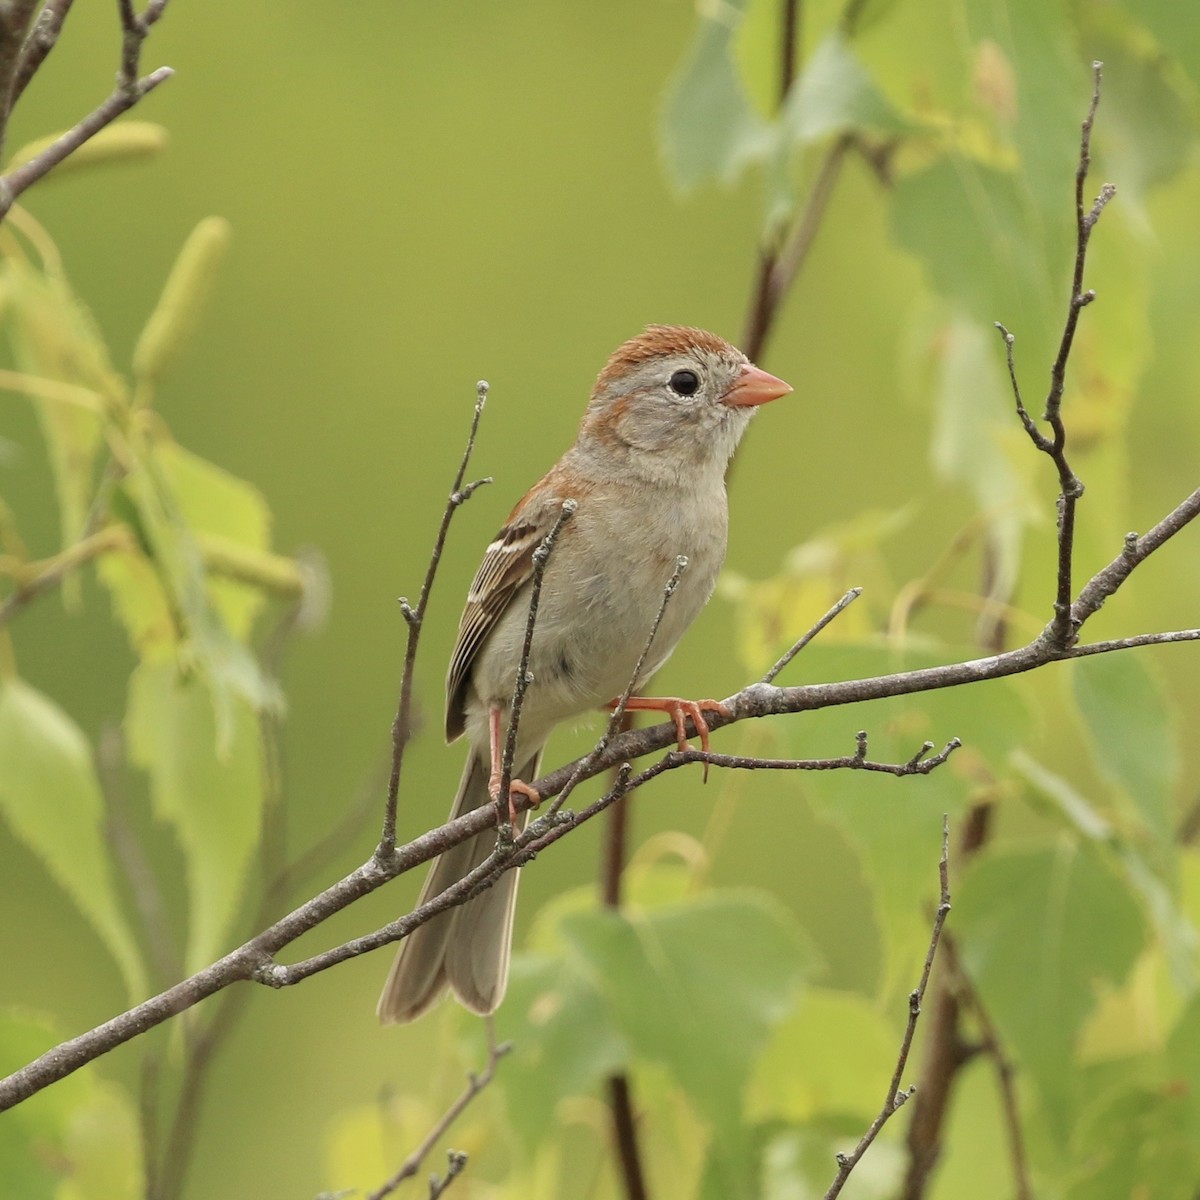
[54,337]
[1039,931]
[1131,729]
[605,992]
[846,1048]
[1177,28]
[1160,901]
[212,501]
[798,1163]
[730,960]
[1147,128]
[973,230]
[78,1140]
[1137,1144]
[977,442]
[182,302]
[1040,42]
[227,664]
[710,129]
[209,789]
[51,798]
[835,93]
[896,824]
[568,1042]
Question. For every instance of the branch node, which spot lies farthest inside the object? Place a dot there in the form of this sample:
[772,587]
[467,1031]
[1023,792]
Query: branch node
[409,613]
[915,761]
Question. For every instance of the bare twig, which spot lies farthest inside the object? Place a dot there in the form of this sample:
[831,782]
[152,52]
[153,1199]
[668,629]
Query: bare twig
[946,1051]
[524,677]
[414,617]
[896,1098]
[779,265]
[921,763]
[844,603]
[456,1164]
[129,91]
[625,1139]
[15,16]
[42,576]
[254,960]
[1063,629]
[457,1160]
[41,40]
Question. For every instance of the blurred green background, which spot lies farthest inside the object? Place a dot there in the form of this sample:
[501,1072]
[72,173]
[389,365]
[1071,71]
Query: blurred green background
[426,195]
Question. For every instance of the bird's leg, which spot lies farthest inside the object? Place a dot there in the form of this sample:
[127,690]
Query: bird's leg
[678,708]
[517,786]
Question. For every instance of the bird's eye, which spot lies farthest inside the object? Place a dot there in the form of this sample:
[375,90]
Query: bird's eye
[685,383]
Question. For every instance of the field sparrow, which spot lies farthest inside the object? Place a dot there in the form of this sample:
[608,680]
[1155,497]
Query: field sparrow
[647,471]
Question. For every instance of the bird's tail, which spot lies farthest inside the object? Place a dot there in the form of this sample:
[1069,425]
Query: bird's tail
[465,948]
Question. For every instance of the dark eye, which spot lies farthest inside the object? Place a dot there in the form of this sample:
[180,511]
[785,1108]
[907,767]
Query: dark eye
[686,383]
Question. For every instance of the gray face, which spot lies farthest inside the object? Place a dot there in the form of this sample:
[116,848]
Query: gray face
[672,405]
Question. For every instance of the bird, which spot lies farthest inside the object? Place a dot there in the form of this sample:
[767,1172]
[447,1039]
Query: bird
[646,474]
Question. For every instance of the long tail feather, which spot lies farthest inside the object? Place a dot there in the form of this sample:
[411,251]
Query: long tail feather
[466,948]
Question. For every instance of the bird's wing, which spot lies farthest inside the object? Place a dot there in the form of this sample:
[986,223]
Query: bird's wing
[505,569]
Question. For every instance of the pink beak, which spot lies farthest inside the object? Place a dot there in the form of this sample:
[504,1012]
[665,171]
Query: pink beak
[755,387]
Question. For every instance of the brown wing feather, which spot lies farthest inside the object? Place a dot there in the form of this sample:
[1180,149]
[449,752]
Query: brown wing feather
[507,565]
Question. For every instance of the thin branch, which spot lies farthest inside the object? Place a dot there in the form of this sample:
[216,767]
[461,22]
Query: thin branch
[1063,629]
[1085,221]
[921,763]
[524,677]
[129,91]
[254,959]
[456,1164]
[779,265]
[628,1152]
[414,617]
[1136,550]
[41,40]
[844,603]
[40,577]
[458,1160]
[895,1097]
[946,1051]
[15,16]
[795,251]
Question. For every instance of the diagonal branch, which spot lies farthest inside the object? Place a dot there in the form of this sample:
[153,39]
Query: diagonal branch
[457,1160]
[42,38]
[255,959]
